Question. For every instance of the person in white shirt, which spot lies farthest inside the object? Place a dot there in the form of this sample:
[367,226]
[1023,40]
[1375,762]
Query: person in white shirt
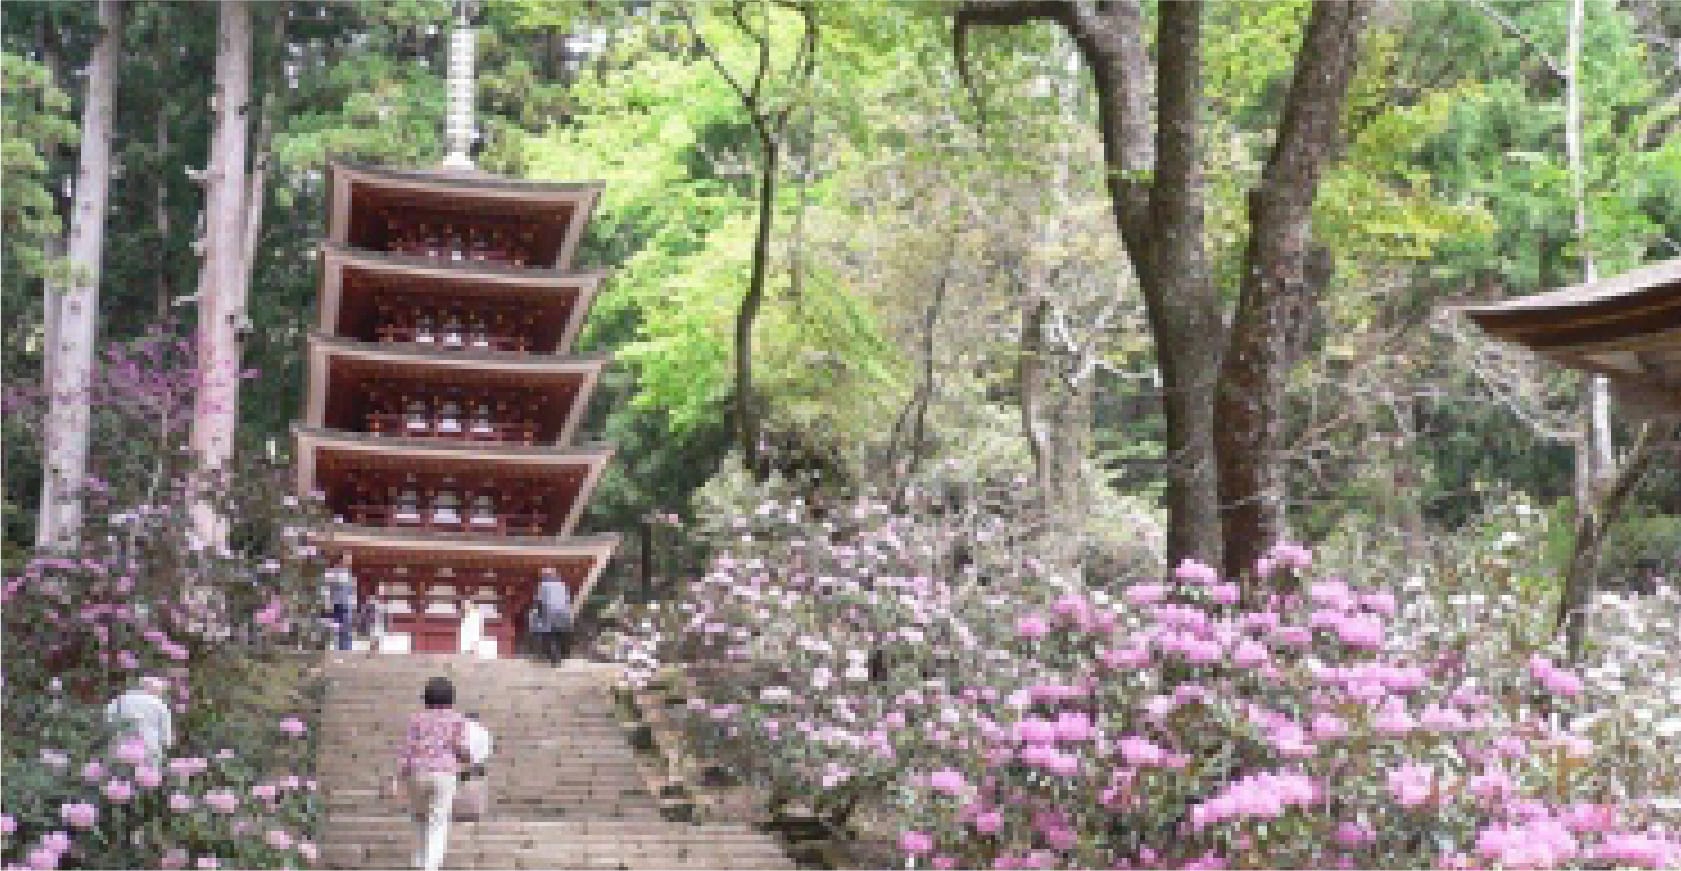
[141,712]
[472,798]
[472,627]
[479,743]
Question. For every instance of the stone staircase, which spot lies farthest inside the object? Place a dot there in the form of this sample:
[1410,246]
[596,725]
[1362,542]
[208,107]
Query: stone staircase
[568,791]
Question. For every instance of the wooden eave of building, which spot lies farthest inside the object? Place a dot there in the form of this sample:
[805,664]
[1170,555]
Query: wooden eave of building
[393,452]
[1627,328]
[525,555]
[477,367]
[454,279]
[462,191]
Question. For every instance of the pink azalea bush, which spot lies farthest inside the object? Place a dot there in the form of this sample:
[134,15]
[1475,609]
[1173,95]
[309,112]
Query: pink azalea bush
[138,597]
[1006,715]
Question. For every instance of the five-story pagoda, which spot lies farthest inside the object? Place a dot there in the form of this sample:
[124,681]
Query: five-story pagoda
[443,397]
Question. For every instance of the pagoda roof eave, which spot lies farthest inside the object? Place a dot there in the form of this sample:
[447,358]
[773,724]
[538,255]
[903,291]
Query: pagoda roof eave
[335,254]
[470,181]
[530,553]
[468,452]
[411,354]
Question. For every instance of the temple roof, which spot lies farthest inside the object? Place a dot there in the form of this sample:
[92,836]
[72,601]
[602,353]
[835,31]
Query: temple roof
[465,180]
[360,194]
[1627,328]
[467,360]
[477,271]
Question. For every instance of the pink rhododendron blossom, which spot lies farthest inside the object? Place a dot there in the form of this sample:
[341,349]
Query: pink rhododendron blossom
[1145,594]
[1583,818]
[1352,835]
[293,726]
[1328,726]
[989,822]
[1537,844]
[1032,626]
[279,839]
[1034,730]
[916,843]
[78,815]
[181,802]
[43,859]
[93,771]
[307,850]
[1558,681]
[173,858]
[221,801]
[1291,555]
[130,750]
[948,781]
[1191,571]
[118,791]
[148,777]
[1639,850]
[1411,784]
[208,863]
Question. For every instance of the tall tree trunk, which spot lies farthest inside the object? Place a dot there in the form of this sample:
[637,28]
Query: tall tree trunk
[746,410]
[74,319]
[223,281]
[1183,308]
[1250,398]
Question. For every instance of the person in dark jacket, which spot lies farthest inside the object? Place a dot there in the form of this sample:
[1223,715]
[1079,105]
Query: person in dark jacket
[551,616]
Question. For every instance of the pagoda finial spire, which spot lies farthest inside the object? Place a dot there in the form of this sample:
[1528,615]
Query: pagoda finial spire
[458,119]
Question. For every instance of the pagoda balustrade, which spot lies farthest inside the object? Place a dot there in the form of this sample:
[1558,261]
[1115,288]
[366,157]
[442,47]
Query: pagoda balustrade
[479,239]
[447,519]
[505,416]
[446,504]
[477,430]
[453,327]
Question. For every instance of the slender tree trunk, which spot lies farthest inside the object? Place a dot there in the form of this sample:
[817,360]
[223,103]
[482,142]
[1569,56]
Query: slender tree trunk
[1593,525]
[1030,363]
[163,289]
[75,317]
[746,409]
[224,279]
[1249,401]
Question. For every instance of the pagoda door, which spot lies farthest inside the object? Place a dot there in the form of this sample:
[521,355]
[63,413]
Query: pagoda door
[430,633]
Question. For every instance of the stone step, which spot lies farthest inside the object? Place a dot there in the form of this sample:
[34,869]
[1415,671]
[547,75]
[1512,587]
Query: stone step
[567,789]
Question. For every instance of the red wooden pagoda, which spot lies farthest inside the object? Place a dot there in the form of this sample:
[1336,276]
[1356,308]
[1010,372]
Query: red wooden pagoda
[443,397]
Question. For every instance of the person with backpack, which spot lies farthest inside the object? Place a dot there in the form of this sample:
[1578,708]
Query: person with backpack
[550,618]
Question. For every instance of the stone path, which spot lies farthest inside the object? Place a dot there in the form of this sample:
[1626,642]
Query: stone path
[568,791]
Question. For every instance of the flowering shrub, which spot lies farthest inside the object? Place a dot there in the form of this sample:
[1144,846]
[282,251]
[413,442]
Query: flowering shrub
[137,597]
[1007,717]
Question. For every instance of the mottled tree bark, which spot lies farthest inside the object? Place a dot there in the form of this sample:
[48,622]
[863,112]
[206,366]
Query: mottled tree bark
[73,311]
[223,277]
[1158,211]
[1250,396]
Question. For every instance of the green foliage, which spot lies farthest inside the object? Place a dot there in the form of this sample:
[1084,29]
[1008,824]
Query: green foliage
[36,120]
